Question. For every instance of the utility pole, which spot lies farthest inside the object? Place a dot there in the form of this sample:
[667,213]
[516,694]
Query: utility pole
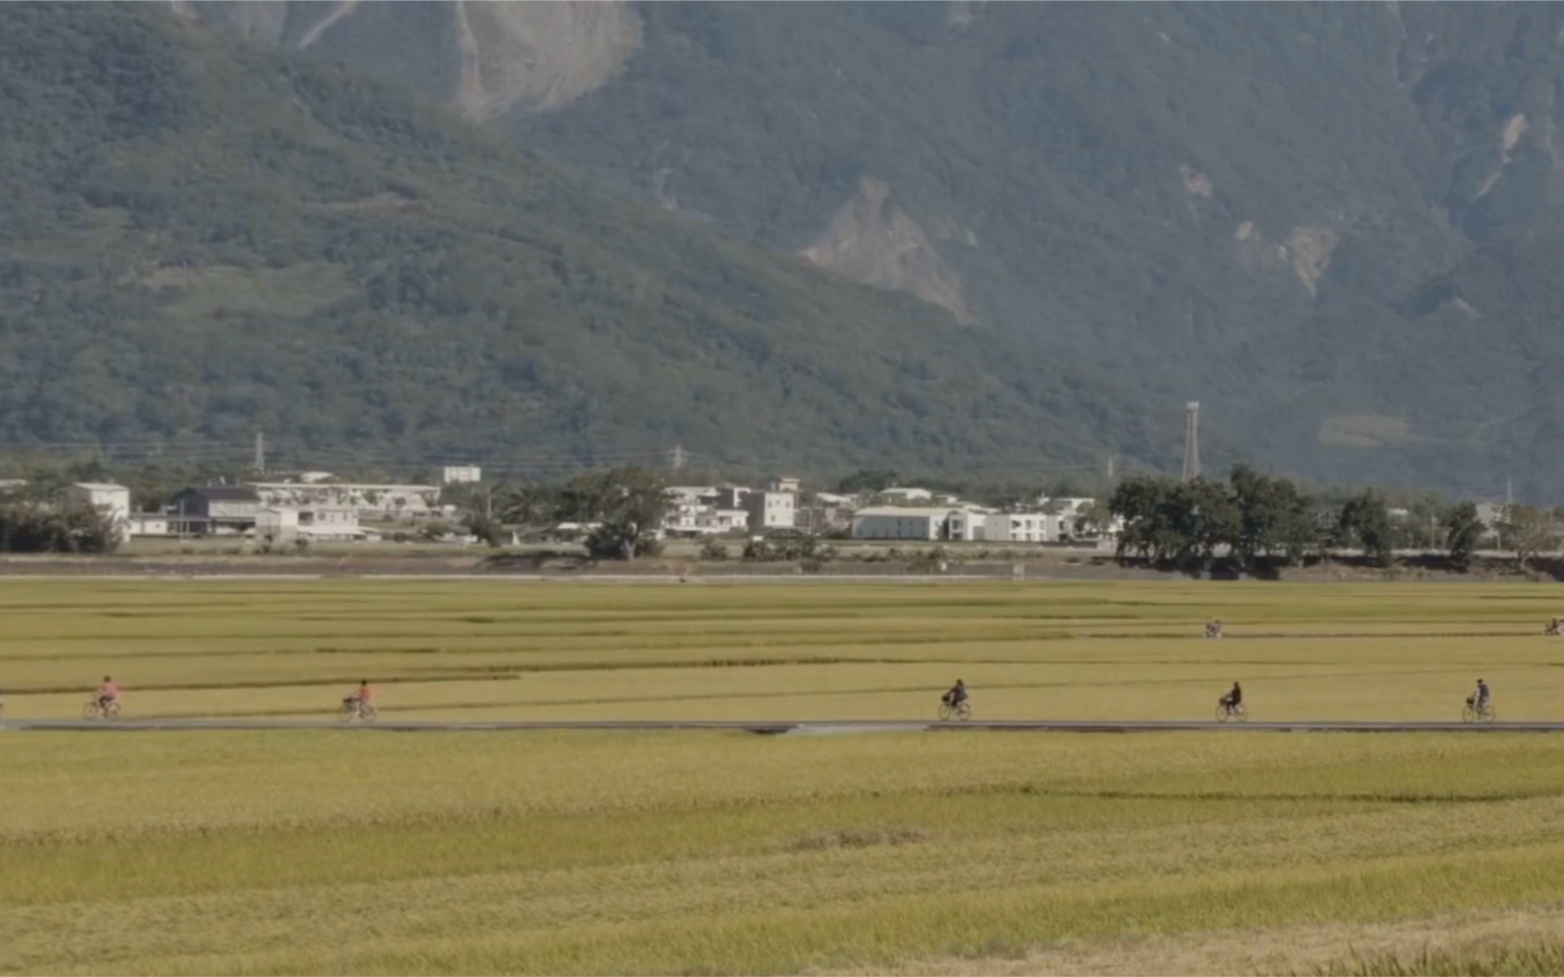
[1110,466]
[1191,440]
[260,452]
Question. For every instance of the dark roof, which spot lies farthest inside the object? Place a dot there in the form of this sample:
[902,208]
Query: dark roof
[224,493]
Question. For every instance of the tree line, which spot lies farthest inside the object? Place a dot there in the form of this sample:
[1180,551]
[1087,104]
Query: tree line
[1259,524]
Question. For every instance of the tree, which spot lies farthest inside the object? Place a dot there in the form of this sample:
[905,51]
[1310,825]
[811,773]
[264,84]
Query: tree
[485,529]
[1365,523]
[1530,531]
[1273,517]
[867,480]
[1092,520]
[1462,531]
[525,505]
[1205,519]
[27,527]
[625,507]
[1143,503]
[1170,523]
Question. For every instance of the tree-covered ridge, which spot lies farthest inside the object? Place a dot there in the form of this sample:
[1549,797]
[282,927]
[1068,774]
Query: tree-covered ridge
[205,239]
[1332,224]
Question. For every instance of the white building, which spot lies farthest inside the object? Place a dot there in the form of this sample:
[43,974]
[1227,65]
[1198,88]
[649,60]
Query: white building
[918,522]
[835,501]
[786,483]
[713,520]
[277,525]
[110,499]
[1022,527]
[147,524]
[461,474]
[690,503]
[771,510]
[282,524]
[704,510]
[906,496]
[369,501]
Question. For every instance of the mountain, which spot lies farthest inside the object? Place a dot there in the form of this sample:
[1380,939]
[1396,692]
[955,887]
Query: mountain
[201,239]
[1335,225]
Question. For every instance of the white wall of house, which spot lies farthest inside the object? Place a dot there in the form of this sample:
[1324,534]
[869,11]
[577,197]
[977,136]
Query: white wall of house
[873,524]
[277,524]
[371,501]
[147,524]
[110,499]
[1023,527]
[771,510]
[461,474]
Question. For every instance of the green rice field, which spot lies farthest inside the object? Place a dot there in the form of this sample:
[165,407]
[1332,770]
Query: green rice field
[352,850]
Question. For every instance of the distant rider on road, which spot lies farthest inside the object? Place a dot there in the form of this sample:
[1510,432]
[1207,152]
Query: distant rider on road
[360,698]
[1233,699]
[1479,698]
[107,692]
[957,694]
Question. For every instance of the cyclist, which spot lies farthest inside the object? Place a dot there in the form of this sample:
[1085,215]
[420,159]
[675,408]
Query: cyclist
[1214,628]
[1479,699]
[1233,699]
[107,692]
[957,694]
[360,698]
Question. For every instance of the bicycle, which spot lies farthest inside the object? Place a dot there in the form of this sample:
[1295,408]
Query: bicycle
[960,712]
[1474,713]
[96,708]
[357,709]
[1226,711]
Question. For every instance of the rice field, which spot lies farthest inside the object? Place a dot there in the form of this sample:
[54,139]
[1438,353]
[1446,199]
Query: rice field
[350,851]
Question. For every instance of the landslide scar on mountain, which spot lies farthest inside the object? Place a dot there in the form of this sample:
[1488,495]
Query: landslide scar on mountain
[538,56]
[873,242]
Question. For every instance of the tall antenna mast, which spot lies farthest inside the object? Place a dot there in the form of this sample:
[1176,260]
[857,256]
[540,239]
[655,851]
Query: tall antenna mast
[679,457]
[260,452]
[1191,440]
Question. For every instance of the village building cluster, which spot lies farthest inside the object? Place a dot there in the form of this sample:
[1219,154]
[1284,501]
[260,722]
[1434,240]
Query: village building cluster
[896,513]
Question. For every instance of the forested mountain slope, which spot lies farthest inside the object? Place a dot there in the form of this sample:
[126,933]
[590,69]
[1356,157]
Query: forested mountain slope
[1336,225]
[202,238]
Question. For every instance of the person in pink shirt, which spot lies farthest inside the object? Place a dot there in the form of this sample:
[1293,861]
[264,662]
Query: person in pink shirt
[360,698]
[107,692]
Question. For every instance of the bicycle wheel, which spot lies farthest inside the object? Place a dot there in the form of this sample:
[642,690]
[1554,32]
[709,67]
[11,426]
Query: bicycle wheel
[110,710]
[346,712]
[964,711]
[944,711]
[1489,714]
[1241,712]
[1468,714]
[368,712]
[89,711]
[1223,714]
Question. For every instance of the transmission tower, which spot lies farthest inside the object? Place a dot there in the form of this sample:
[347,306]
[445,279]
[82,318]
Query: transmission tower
[260,452]
[1191,440]
[678,457]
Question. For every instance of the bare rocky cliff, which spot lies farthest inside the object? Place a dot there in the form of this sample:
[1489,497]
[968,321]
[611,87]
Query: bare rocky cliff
[872,241]
[518,56]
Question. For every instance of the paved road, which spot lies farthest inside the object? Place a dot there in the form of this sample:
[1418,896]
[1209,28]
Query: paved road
[783,726]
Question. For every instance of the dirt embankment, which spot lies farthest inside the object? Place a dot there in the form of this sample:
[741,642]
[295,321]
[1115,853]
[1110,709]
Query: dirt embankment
[1024,566]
